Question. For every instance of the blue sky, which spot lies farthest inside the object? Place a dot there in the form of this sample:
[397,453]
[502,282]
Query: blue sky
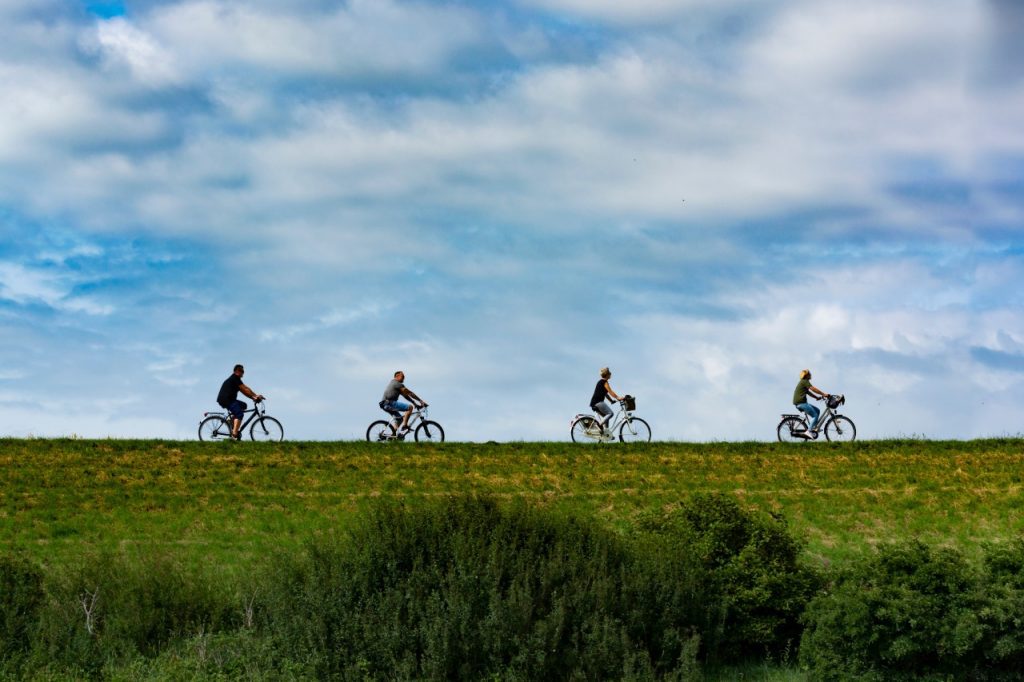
[500,199]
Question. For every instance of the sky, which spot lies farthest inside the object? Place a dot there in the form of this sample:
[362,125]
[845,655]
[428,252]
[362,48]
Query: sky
[500,199]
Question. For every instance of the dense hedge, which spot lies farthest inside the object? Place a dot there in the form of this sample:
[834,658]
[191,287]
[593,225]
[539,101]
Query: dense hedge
[21,601]
[913,611]
[746,577]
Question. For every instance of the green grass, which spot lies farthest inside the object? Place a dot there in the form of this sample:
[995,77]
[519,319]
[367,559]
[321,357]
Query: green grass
[232,504]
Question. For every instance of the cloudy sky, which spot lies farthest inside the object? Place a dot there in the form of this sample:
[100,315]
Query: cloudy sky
[500,198]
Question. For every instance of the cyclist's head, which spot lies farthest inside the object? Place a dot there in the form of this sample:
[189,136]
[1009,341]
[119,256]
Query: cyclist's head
[400,375]
[606,373]
[805,374]
[239,370]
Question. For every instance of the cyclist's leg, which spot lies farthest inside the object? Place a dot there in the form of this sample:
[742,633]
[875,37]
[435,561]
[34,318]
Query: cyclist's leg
[401,412]
[602,409]
[237,410]
[396,416]
[813,412]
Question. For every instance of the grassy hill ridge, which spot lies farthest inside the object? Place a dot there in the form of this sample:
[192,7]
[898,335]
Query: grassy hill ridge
[233,502]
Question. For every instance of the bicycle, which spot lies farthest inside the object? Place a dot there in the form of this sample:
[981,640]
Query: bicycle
[794,427]
[423,429]
[585,428]
[216,426]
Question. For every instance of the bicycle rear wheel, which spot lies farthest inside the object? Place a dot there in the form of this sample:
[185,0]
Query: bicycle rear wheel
[840,429]
[214,429]
[585,430]
[380,431]
[430,432]
[267,429]
[635,430]
[790,429]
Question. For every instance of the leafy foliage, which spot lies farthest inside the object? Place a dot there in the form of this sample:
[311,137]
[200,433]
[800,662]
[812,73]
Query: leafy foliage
[914,611]
[462,589]
[21,600]
[746,573]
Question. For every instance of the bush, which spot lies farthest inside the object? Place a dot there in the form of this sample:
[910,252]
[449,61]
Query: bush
[910,611]
[1002,612]
[21,600]
[464,589]
[736,578]
[113,607]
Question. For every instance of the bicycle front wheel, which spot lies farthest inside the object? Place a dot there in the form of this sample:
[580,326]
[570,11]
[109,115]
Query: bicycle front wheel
[792,430]
[635,430]
[585,430]
[840,429]
[380,431]
[430,432]
[268,429]
[214,429]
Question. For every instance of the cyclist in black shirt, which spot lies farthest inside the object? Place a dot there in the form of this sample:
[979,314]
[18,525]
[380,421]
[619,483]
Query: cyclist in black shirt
[228,398]
[601,392]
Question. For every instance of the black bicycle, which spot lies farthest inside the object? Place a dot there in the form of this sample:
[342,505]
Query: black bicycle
[216,426]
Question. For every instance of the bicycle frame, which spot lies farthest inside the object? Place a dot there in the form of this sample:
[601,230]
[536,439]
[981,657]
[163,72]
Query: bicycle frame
[823,418]
[418,415]
[257,410]
[617,420]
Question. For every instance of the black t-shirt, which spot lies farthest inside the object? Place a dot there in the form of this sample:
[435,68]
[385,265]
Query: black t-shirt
[600,392]
[229,390]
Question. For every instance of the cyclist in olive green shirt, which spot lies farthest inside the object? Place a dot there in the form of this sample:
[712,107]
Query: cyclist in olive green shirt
[800,400]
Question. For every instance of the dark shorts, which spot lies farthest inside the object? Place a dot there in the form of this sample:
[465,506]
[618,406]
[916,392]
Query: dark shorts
[237,409]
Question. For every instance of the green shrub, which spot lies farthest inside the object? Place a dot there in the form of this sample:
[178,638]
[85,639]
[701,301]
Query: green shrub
[463,589]
[113,607]
[733,576]
[1002,612]
[21,600]
[910,611]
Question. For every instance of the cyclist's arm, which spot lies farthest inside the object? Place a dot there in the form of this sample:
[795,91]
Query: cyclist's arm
[612,393]
[413,397]
[818,392]
[249,392]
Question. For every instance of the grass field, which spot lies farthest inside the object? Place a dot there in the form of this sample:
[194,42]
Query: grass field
[232,504]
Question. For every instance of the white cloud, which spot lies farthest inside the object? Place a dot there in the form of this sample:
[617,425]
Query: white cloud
[331,320]
[555,216]
[635,11]
[361,37]
[123,43]
[23,285]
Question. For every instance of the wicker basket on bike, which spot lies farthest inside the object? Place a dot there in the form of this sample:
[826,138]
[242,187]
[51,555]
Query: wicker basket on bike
[834,401]
[629,402]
